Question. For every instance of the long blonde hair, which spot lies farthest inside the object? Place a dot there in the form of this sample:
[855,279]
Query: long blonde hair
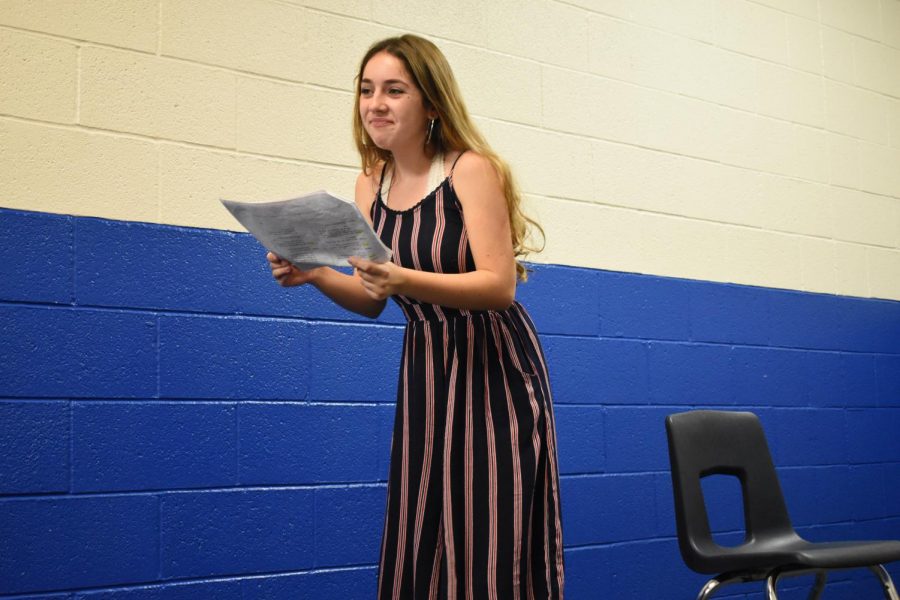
[453,128]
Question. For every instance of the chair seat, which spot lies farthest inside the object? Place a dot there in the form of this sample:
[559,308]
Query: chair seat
[795,552]
[843,555]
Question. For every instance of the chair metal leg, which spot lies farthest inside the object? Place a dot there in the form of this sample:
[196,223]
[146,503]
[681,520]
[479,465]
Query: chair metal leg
[707,590]
[887,584]
[819,586]
[715,583]
[772,585]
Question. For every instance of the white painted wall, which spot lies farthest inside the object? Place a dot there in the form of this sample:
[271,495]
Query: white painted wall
[732,140]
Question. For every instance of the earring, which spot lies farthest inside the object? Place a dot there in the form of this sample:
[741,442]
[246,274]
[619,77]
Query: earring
[430,130]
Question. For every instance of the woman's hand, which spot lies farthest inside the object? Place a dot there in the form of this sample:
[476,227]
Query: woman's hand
[286,274]
[380,280]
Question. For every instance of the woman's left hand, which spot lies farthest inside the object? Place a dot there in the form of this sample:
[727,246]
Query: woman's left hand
[380,280]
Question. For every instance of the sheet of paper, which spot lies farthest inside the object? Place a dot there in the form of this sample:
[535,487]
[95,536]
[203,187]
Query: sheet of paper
[314,230]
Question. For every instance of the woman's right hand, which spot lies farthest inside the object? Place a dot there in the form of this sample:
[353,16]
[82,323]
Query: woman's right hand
[286,274]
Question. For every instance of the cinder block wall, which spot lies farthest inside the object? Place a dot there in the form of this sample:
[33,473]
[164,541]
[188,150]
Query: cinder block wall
[173,425]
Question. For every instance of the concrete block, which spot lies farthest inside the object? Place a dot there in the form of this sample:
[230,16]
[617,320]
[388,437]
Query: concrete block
[752,29]
[644,307]
[878,169]
[597,371]
[876,66]
[864,325]
[464,22]
[68,171]
[766,376]
[35,440]
[256,292]
[856,112]
[732,80]
[804,38]
[859,18]
[894,122]
[818,266]
[503,97]
[805,8]
[843,160]
[585,234]
[565,159]
[636,439]
[728,314]
[672,577]
[884,268]
[50,352]
[887,370]
[689,373]
[254,36]
[221,590]
[837,55]
[808,436]
[301,444]
[138,265]
[36,255]
[221,357]
[871,500]
[360,582]
[333,46]
[192,180]
[722,496]
[354,362]
[859,380]
[817,495]
[268,109]
[823,378]
[235,532]
[792,95]
[524,32]
[39,77]
[157,97]
[800,320]
[349,521]
[131,25]
[549,288]
[152,445]
[71,542]
[871,435]
[692,18]
[691,248]
[607,508]
[851,270]
[890,24]
[580,435]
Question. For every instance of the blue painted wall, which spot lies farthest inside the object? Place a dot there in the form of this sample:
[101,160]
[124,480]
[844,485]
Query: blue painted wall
[174,425]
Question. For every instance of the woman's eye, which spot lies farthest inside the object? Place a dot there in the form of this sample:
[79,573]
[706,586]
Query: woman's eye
[395,91]
[364,91]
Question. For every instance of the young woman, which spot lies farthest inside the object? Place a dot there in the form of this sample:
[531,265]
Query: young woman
[473,492]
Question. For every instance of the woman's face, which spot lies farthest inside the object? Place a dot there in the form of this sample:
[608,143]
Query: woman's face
[391,106]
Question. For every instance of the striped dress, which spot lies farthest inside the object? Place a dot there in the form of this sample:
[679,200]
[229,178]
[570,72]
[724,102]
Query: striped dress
[473,491]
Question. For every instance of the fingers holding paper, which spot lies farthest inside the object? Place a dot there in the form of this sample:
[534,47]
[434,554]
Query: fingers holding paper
[380,280]
[286,274]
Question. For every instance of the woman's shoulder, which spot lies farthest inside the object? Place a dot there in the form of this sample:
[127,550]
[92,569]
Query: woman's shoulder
[367,182]
[471,168]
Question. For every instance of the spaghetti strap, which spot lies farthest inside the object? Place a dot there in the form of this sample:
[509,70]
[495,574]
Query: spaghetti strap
[381,179]
[453,166]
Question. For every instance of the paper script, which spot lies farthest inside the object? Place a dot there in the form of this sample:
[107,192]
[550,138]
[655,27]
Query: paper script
[311,231]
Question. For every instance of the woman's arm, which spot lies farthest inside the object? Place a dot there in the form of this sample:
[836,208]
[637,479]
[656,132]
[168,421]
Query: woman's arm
[344,290]
[492,285]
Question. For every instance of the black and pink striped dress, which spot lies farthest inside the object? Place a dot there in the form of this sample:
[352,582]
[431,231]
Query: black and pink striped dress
[473,492]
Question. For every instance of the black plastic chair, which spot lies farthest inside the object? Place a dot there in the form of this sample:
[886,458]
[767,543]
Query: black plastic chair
[705,442]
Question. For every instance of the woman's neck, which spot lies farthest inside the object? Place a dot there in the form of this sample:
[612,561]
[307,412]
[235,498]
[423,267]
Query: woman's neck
[410,164]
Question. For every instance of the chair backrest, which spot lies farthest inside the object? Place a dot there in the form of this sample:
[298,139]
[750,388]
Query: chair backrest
[707,442]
